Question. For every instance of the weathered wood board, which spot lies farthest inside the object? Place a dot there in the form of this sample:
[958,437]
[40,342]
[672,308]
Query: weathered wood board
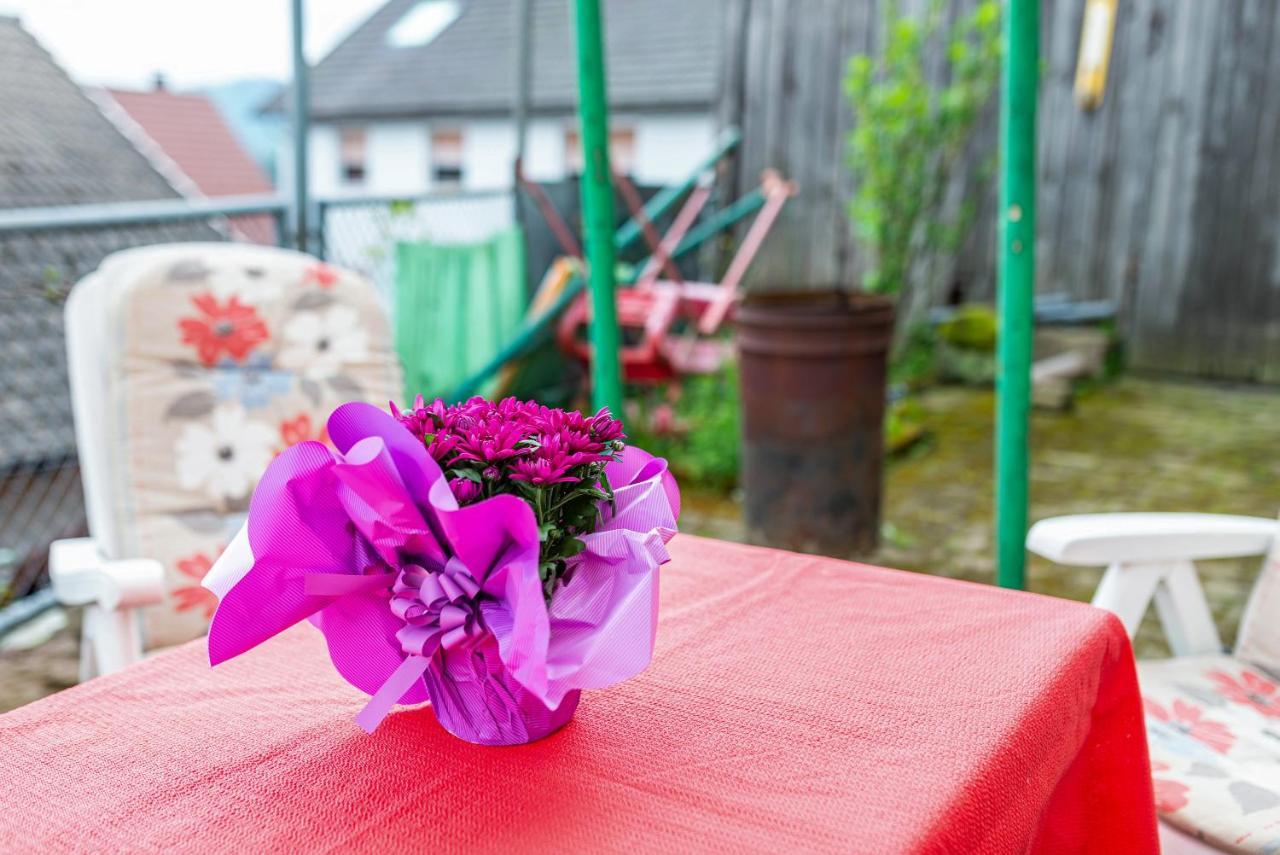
[1166,199]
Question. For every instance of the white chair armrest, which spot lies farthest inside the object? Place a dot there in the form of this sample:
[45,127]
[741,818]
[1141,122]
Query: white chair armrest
[1101,539]
[82,576]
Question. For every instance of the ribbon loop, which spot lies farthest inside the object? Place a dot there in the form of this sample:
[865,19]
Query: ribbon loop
[440,612]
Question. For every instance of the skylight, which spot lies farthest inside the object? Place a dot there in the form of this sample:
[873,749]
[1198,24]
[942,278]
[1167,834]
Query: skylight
[421,24]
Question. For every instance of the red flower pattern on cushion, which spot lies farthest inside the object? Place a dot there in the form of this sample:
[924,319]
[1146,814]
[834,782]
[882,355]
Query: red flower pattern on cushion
[231,328]
[300,429]
[1190,720]
[1170,795]
[320,274]
[194,596]
[1251,690]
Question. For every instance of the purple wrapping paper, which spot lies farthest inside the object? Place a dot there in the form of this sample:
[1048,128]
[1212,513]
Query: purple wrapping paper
[420,599]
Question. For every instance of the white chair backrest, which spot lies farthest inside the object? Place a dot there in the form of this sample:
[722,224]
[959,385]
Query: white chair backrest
[191,367]
[1259,639]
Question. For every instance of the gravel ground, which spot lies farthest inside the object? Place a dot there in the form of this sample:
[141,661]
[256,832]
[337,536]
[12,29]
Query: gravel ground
[27,675]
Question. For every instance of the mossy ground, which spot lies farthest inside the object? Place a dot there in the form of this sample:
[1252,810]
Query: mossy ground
[1134,444]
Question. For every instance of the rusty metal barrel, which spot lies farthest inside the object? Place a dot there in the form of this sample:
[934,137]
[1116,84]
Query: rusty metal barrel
[813,379]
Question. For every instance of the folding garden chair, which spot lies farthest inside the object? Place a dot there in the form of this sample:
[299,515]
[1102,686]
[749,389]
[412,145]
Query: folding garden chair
[650,313]
[1213,717]
[191,366]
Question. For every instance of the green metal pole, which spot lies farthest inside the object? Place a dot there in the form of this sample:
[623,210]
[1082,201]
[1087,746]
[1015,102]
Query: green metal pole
[597,206]
[301,122]
[1017,277]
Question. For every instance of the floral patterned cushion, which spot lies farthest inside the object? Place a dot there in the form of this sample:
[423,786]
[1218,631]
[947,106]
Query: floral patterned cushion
[1259,639]
[1213,726]
[228,354]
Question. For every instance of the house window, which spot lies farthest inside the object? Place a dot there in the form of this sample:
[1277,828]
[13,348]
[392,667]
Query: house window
[446,158]
[622,150]
[351,155]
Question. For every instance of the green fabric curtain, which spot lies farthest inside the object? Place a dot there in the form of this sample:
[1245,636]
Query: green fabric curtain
[456,305]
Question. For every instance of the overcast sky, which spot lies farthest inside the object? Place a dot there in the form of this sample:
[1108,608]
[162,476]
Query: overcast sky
[193,42]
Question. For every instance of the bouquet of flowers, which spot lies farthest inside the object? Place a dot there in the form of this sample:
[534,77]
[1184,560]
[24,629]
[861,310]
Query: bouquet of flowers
[493,558]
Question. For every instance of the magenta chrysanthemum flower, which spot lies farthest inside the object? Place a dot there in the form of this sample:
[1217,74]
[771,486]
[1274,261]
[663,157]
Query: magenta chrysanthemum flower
[443,445]
[553,459]
[492,441]
[605,427]
[465,490]
[541,472]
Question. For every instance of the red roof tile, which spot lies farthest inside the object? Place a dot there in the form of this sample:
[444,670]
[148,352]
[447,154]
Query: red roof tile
[191,133]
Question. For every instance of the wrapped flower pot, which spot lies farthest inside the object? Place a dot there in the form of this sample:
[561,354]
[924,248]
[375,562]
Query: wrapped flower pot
[492,558]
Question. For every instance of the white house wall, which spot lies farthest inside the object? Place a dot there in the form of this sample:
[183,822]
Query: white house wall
[398,156]
[396,159]
[544,154]
[669,147]
[488,149]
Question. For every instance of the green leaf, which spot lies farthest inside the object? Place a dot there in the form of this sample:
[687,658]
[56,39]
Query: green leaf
[608,488]
[573,546]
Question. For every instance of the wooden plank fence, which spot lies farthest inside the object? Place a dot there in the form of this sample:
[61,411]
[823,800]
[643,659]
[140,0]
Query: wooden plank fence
[1165,200]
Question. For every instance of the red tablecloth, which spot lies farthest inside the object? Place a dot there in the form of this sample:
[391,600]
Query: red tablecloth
[794,703]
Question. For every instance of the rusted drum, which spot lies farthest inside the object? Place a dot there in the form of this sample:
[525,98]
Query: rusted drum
[812,370]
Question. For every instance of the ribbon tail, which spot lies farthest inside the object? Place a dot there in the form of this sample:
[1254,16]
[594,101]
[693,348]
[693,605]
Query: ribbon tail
[340,584]
[391,691]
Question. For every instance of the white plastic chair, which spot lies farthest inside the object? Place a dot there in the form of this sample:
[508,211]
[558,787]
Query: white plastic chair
[169,348]
[1213,724]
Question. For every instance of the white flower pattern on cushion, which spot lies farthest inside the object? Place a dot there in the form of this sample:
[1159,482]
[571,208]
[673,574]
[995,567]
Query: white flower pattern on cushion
[224,458]
[252,285]
[319,344]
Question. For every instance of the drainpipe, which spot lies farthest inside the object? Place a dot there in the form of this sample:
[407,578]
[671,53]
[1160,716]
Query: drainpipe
[301,123]
[524,73]
[520,110]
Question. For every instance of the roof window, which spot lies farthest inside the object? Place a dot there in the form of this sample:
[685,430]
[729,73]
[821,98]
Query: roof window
[423,22]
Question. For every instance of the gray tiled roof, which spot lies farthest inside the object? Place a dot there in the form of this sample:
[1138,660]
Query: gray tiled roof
[662,54]
[56,148]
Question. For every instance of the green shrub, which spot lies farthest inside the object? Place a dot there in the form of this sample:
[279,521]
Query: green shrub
[703,439]
[909,134]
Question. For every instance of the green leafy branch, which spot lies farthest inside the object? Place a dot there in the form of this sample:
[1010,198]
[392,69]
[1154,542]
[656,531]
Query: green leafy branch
[910,133]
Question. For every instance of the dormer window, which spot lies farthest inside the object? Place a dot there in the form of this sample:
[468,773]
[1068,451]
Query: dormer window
[423,23]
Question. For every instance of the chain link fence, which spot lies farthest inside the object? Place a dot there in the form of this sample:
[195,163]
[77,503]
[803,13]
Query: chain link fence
[361,233]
